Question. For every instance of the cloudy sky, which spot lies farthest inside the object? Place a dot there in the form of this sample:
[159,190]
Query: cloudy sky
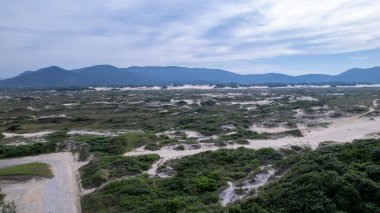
[244,36]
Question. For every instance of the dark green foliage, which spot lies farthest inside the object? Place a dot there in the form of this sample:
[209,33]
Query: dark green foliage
[105,168]
[84,152]
[117,145]
[193,188]
[208,103]
[13,128]
[244,134]
[340,178]
[231,164]
[57,137]
[203,122]
[336,178]
[80,119]
[10,151]
[294,132]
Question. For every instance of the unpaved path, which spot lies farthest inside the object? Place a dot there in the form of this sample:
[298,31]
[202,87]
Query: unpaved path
[341,130]
[229,195]
[57,195]
[371,109]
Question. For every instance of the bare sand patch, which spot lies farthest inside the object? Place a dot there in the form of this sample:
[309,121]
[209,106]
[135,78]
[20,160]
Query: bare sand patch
[229,195]
[340,130]
[277,129]
[28,135]
[92,133]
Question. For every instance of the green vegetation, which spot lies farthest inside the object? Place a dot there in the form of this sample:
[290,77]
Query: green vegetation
[52,140]
[294,133]
[106,168]
[12,151]
[193,188]
[339,178]
[108,163]
[245,134]
[117,145]
[30,169]
[312,181]
[334,178]
[1,136]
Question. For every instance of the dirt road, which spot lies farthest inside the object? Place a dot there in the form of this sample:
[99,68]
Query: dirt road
[57,195]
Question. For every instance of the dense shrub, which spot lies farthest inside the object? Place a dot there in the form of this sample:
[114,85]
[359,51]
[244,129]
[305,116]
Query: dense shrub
[105,168]
[339,178]
[193,188]
[117,145]
[335,178]
[9,151]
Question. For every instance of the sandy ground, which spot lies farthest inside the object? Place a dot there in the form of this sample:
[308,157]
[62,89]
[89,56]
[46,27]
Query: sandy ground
[229,195]
[57,195]
[278,129]
[93,133]
[28,135]
[340,130]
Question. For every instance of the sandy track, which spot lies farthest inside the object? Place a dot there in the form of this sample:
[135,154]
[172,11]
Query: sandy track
[57,195]
[341,130]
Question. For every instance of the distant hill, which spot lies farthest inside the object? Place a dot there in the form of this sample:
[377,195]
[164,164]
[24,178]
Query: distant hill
[107,75]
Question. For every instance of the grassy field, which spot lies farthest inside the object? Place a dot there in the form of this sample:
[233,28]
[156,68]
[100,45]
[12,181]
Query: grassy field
[33,169]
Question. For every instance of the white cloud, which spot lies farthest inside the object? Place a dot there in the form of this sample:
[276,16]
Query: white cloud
[72,33]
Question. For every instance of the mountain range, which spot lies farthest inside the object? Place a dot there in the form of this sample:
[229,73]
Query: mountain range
[107,75]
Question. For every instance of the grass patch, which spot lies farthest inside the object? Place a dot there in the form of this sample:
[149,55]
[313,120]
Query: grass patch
[34,169]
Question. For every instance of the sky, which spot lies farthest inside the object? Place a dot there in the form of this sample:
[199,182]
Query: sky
[244,36]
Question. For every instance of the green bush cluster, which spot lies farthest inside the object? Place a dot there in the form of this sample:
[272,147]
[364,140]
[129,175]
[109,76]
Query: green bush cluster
[334,178]
[339,178]
[244,134]
[11,151]
[193,188]
[105,168]
[119,144]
